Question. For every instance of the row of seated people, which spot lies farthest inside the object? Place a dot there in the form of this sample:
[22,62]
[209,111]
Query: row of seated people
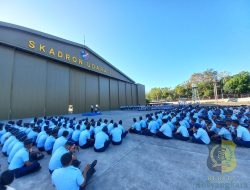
[17,140]
[196,124]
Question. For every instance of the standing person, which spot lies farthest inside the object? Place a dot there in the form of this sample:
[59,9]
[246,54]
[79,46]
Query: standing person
[92,108]
[7,177]
[75,179]
[20,163]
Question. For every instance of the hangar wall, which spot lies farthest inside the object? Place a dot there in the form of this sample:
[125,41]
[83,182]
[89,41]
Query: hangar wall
[37,84]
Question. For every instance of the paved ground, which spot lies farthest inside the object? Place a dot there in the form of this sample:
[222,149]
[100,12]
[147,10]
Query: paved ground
[148,163]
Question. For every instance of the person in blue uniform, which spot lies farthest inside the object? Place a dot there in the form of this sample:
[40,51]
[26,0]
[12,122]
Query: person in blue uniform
[76,180]
[200,136]
[223,132]
[165,132]
[242,135]
[136,127]
[152,127]
[76,134]
[20,163]
[55,163]
[60,141]
[101,141]
[124,132]
[85,140]
[116,135]
[182,132]
[21,138]
[49,143]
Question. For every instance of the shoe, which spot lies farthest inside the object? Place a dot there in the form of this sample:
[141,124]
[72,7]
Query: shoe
[93,164]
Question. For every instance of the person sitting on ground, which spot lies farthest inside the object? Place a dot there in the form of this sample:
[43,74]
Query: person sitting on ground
[7,177]
[50,141]
[85,140]
[242,135]
[211,128]
[21,164]
[222,134]
[136,127]
[110,126]
[165,132]
[42,138]
[143,123]
[55,163]
[116,135]
[76,180]
[101,141]
[200,136]
[98,127]
[152,127]
[60,141]
[182,132]
[76,134]
[124,132]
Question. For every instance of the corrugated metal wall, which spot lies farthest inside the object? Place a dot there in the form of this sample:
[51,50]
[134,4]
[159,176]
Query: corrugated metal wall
[104,93]
[122,93]
[6,67]
[77,91]
[32,85]
[29,84]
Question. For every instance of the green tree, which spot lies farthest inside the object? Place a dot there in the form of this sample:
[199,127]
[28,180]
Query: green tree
[155,94]
[237,84]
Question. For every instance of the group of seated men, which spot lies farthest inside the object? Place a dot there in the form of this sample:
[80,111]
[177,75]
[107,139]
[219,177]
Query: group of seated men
[200,124]
[58,136]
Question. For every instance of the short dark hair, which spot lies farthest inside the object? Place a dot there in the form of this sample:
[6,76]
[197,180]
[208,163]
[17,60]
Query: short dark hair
[236,121]
[7,177]
[66,159]
[65,133]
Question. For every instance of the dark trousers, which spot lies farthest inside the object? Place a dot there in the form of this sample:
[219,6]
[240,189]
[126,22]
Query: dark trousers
[162,136]
[25,170]
[116,143]
[124,134]
[190,131]
[147,133]
[106,144]
[41,149]
[88,176]
[198,141]
[180,137]
[88,144]
[242,143]
[49,151]
[134,131]
[211,133]
[35,156]
[75,142]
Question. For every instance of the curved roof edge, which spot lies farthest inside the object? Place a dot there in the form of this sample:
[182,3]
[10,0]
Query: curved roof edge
[49,36]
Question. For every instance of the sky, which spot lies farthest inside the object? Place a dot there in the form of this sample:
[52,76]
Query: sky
[158,43]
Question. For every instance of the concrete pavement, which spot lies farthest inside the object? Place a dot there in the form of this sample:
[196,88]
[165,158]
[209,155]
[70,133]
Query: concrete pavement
[147,163]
